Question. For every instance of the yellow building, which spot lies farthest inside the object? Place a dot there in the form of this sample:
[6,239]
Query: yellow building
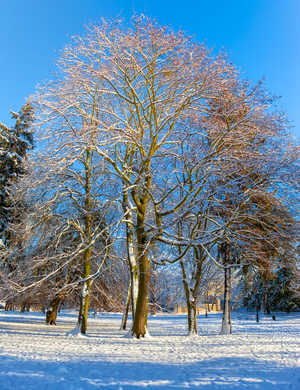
[181,309]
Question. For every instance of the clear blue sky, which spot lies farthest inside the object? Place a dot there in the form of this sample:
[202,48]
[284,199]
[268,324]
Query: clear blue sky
[262,37]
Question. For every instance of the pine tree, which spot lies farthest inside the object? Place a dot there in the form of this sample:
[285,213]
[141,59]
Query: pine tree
[281,296]
[15,143]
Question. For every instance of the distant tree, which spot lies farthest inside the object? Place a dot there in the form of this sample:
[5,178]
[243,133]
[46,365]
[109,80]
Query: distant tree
[165,288]
[279,282]
[280,295]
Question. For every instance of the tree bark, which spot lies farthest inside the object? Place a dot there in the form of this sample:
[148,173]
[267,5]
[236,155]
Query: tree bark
[257,308]
[51,314]
[191,292]
[190,302]
[85,291]
[133,267]
[84,299]
[131,255]
[139,328]
[226,320]
[265,298]
[132,263]
[23,307]
[126,309]
[8,306]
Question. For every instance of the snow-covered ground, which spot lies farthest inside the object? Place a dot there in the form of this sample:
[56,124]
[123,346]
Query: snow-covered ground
[264,355]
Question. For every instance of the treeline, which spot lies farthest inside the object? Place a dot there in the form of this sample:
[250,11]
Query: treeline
[153,154]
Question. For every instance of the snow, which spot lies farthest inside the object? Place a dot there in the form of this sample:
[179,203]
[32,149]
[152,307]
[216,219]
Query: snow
[264,355]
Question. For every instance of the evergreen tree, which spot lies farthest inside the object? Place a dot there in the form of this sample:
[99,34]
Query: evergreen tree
[253,290]
[15,143]
[281,296]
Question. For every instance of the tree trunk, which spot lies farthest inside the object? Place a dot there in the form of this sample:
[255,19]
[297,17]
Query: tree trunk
[126,309]
[265,298]
[226,320]
[194,318]
[213,303]
[84,300]
[133,267]
[190,302]
[8,306]
[257,308]
[139,328]
[131,255]
[23,307]
[85,292]
[51,314]
[191,292]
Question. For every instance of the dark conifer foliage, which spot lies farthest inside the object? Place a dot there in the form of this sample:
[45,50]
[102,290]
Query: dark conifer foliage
[15,143]
[280,296]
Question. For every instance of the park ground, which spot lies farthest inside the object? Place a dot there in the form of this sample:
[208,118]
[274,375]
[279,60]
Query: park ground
[264,355]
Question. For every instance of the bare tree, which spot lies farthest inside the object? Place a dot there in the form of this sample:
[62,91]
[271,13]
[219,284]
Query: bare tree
[66,222]
[143,83]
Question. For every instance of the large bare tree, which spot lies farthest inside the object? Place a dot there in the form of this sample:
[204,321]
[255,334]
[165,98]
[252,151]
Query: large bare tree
[145,85]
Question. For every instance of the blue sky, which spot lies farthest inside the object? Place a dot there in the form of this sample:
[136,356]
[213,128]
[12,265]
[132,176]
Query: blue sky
[262,37]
